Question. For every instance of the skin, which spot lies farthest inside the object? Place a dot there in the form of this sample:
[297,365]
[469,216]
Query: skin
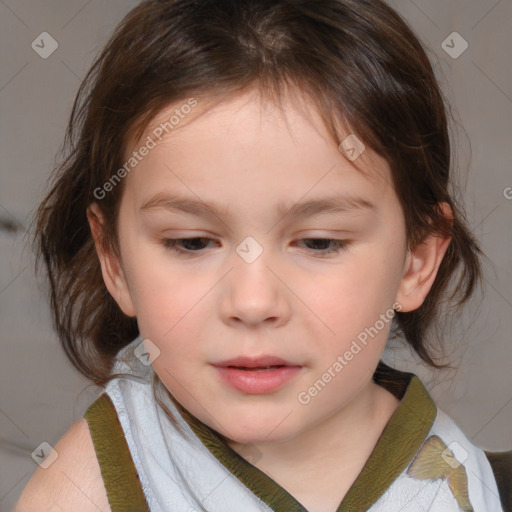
[291,301]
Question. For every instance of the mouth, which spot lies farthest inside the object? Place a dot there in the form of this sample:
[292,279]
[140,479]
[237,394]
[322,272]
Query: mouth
[265,362]
[257,368]
[257,376]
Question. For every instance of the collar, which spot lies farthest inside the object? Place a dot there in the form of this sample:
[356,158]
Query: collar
[399,442]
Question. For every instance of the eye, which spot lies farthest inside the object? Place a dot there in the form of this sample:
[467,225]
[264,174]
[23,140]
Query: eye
[336,245]
[197,244]
[174,244]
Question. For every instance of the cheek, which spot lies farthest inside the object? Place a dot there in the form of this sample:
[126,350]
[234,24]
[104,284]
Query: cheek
[352,297]
[168,298]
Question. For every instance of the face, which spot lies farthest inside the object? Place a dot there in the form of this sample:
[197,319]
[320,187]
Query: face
[305,290]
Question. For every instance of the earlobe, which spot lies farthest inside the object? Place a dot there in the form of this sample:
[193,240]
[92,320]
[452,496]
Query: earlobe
[111,268]
[420,268]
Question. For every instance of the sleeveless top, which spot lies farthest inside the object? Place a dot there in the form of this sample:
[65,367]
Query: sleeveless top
[421,462]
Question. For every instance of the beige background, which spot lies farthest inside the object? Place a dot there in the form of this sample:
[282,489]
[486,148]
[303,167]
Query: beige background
[41,394]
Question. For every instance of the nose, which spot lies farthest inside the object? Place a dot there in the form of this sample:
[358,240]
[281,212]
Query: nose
[255,292]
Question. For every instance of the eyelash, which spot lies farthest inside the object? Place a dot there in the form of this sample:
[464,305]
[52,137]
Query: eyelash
[172,244]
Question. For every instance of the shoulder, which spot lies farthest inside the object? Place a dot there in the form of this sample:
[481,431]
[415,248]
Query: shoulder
[490,472]
[73,480]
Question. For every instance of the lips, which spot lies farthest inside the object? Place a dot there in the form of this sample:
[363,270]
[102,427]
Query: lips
[257,375]
[255,363]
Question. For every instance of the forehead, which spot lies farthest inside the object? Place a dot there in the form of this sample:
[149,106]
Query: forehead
[247,143]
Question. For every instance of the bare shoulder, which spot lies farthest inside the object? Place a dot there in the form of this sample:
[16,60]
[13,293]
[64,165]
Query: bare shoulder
[73,481]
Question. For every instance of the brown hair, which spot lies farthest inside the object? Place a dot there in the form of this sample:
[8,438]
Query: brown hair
[355,60]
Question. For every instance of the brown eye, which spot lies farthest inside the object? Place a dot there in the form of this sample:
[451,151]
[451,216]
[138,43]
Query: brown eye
[191,245]
[336,245]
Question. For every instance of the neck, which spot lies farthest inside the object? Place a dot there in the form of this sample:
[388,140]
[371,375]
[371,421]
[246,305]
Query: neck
[330,455]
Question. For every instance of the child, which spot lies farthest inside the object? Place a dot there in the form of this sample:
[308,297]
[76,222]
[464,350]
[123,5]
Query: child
[257,195]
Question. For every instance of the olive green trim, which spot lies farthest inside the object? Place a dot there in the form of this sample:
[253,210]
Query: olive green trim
[401,439]
[124,490]
[266,489]
[501,464]
[399,442]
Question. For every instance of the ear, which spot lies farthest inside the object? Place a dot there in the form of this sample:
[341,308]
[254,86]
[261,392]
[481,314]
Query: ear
[111,267]
[421,266]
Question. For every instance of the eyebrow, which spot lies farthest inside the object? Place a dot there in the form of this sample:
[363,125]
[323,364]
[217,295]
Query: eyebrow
[329,204]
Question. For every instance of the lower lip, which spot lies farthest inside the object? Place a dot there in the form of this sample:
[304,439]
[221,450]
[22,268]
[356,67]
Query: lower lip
[258,382]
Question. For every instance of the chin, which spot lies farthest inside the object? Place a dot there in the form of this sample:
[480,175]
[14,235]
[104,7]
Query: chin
[258,433]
